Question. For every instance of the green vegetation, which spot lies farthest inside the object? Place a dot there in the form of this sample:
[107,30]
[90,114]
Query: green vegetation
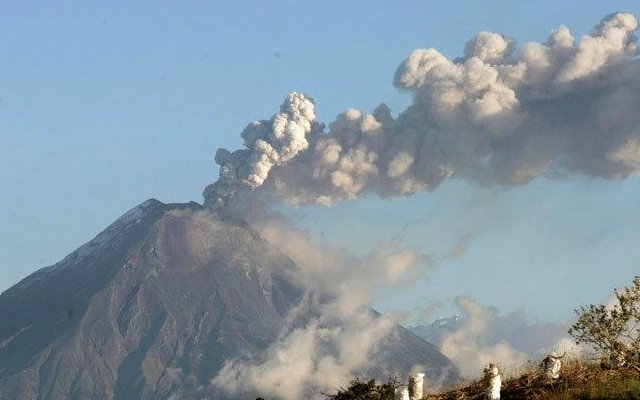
[366,390]
[608,388]
[578,381]
[613,329]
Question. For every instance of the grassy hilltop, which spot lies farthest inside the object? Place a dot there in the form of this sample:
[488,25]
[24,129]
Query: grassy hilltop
[580,380]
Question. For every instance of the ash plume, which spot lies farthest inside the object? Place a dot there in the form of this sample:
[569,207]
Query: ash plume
[501,114]
[332,334]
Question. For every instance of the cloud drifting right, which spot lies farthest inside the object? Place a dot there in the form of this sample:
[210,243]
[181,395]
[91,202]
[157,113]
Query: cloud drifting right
[484,336]
[500,115]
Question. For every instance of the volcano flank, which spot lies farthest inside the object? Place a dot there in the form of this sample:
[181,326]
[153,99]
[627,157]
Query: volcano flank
[154,306]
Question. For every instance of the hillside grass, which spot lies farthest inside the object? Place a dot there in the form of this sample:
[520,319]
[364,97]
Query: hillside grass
[579,380]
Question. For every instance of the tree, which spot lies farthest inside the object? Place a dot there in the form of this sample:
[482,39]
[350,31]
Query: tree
[613,329]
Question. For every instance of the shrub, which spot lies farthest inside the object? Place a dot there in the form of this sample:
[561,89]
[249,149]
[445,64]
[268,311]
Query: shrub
[615,329]
[366,390]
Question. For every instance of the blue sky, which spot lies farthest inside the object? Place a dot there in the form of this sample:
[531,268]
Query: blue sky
[104,105]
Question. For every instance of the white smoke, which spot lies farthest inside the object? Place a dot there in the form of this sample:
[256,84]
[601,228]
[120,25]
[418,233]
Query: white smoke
[502,114]
[320,356]
[333,334]
[269,143]
[485,336]
[321,352]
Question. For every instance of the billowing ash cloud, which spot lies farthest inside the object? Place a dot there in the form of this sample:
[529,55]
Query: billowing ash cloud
[332,334]
[501,114]
[268,144]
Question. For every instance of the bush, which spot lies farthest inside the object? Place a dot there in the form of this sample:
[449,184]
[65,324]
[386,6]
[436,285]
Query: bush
[366,390]
[615,329]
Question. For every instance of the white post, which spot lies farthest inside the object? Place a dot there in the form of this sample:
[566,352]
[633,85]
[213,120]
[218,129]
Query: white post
[552,365]
[493,382]
[402,394]
[416,381]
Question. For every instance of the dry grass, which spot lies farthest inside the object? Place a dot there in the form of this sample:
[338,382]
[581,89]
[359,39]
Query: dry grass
[579,380]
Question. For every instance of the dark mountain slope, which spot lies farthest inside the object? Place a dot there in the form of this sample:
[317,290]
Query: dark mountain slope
[151,308]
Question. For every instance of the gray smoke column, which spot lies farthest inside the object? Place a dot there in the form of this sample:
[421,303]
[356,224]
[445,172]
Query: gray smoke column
[268,144]
[501,114]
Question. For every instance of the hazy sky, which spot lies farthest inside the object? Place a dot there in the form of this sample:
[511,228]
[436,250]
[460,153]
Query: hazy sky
[104,105]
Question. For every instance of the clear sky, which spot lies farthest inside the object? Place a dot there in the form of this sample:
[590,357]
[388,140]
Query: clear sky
[106,104]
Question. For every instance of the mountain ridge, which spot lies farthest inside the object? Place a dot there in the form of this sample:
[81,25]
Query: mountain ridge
[151,308]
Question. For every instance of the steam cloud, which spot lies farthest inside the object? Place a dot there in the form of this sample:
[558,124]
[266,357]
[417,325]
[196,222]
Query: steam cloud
[485,336]
[501,114]
[332,334]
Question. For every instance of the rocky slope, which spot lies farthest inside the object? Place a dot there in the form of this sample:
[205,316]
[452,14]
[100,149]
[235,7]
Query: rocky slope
[152,307]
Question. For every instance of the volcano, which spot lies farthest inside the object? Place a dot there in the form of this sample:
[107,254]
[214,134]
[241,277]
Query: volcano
[153,306]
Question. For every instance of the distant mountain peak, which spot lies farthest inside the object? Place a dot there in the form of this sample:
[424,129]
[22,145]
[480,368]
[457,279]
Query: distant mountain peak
[434,331]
